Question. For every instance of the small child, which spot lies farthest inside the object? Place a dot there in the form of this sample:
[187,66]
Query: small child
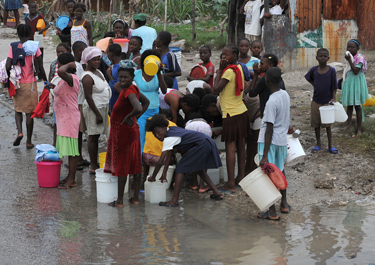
[275,9]
[168,58]
[32,20]
[81,28]
[60,49]
[323,78]
[354,86]
[124,147]
[205,55]
[114,54]
[251,8]
[135,45]
[200,153]
[272,142]
[153,147]
[256,49]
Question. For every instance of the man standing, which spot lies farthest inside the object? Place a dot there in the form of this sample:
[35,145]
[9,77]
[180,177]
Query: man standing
[147,34]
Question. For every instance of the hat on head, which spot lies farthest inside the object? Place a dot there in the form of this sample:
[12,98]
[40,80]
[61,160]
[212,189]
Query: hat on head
[140,17]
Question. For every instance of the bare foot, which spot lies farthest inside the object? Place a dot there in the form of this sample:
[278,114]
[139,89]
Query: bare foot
[359,132]
[348,127]
[226,187]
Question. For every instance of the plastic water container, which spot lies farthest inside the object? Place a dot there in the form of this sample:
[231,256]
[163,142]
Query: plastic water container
[223,169]
[178,53]
[214,175]
[106,186]
[102,157]
[155,192]
[340,113]
[151,65]
[48,174]
[170,173]
[370,101]
[296,153]
[219,144]
[327,114]
[260,189]
[124,43]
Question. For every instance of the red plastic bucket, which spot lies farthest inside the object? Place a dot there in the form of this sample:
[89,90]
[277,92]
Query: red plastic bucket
[48,174]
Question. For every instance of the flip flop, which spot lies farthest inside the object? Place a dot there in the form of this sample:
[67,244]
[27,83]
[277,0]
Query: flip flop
[115,204]
[64,181]
[133,202]
[265,216]
[85,163]
[167,204]
[316,149]
[18,140]
[29,146]
[66,187]
[78,167]
[333,150]
[218,197]
[91,171]
[285,210]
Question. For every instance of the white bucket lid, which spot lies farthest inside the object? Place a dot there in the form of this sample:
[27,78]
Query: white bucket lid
[101,176]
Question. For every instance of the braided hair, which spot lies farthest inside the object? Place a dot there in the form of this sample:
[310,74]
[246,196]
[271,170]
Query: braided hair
[23,30]
[192,101]
[66,58]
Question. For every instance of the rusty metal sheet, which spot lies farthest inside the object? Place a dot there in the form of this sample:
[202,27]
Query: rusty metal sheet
[340,9]
[365,18]
[309,14]
[336,34]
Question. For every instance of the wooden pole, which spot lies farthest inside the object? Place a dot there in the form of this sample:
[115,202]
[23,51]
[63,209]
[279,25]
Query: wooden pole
[97,7]
[165,14]
[121,7]
[193,20]
[110,16]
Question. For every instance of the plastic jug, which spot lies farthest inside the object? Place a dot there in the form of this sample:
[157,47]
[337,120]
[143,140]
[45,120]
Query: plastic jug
[155,192]
[340,113]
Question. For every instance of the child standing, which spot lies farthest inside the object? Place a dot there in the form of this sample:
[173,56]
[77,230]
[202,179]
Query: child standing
[272,143]
[32,20]
[25,9]
[168,58]
[114,54]
[64,34]
[244,46]
[229,84]
[205,55]
[124,147]
[323,78]
[354,86]
[135,45]
[200,154]
[81,28]
[251,8]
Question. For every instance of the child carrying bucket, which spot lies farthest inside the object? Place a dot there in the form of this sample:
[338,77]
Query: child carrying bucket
[200,153]
[323,78]
[272,142]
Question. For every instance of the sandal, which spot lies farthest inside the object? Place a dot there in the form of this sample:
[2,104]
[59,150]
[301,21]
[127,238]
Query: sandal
[266,216]
[316,149]
[285,210]
[30,146]
[116,204]
[333,150]
[65,187]
[167,204]
[205,189]
[18,140]
[133,202]
[218,197]
[192,187]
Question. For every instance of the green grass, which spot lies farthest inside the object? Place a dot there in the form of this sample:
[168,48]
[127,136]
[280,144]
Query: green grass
[207,33]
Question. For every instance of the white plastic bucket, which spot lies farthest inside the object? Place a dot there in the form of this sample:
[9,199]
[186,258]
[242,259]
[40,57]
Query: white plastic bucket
[219,144]
[260,189]
[340,113]
[178,53]
[223,169]
[327,114]
[295,151]
[106,186]
[155,192]
[170,172]
[40,38]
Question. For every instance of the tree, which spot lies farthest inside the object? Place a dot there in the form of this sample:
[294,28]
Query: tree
[236,21]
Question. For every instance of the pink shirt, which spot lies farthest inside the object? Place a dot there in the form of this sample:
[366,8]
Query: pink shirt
[66,108]
[27,75]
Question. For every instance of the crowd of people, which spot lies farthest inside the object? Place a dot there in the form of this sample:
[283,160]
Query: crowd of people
[151,119]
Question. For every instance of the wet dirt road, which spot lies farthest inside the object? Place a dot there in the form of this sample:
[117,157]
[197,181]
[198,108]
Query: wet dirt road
[49,226]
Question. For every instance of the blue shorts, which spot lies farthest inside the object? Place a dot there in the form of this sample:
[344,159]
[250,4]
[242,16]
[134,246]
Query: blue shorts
[276,155]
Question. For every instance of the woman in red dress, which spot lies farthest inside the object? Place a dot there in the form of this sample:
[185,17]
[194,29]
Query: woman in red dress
[124,147]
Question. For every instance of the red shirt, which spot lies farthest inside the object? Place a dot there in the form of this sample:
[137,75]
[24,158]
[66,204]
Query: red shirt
[32,22]
[210,71]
